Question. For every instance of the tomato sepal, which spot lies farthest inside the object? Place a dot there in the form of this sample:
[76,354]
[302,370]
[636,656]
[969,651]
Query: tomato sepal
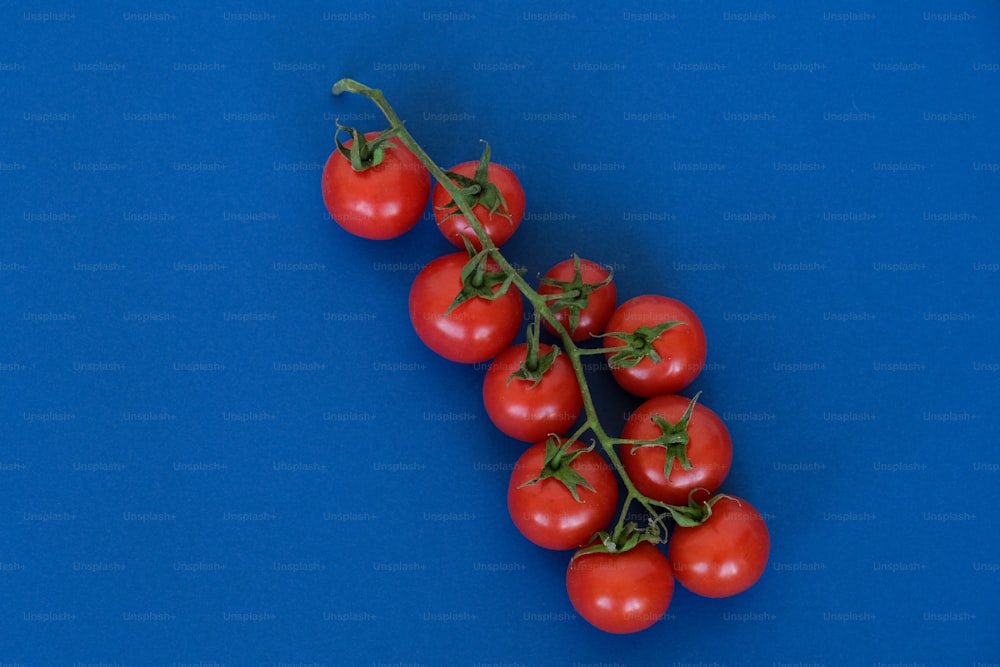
[674,439]
[478,280]
[573,295]
[557,466]
[638,344]
[623,538]
[533,370]
[477,190]
[364,153]
[695,512]
[534,367]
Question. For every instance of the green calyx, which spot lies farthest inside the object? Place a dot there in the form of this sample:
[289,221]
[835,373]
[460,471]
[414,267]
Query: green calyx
[638,345]
[673,438]
[477,190]
[695,512]
[573,295]
[534,366]
[364,154]
[558,466]
[478,280]
[624,538]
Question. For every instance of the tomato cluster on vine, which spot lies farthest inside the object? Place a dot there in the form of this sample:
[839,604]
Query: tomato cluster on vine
[674,453]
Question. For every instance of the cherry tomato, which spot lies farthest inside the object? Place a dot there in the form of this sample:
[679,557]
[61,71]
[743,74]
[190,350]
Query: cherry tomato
[499,225]
[476,330]
[525,410]
[709,450]
[725,555]
[381,202]
[621,592]
[547,513]
[594,309]
[681,348]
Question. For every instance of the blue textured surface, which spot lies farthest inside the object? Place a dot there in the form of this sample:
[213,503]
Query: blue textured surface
[222,444]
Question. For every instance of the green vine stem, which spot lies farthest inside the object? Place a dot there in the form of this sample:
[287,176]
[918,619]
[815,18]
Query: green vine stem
[539,302]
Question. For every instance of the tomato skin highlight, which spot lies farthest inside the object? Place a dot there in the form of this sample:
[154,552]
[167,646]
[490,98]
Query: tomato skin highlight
[682,348]
[623,592]
[381,202]
[724,556]
[546,512]
[709,449]
[600,303]
[476,330]
[527,412]
[498,226]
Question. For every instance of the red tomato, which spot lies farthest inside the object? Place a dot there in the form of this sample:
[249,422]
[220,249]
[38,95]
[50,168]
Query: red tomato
[621,592]
[476,330]
[709,449]
[500,225]
[547,513]
[381,202]
[593,309]
[681,348]
[725,555]
[528,411]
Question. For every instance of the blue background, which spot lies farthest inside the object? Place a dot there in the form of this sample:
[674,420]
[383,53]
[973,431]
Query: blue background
[222,444]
